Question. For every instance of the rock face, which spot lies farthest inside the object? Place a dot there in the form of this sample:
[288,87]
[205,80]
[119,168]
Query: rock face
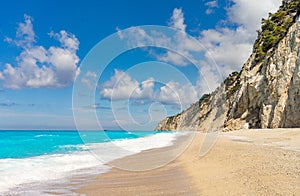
[264,94]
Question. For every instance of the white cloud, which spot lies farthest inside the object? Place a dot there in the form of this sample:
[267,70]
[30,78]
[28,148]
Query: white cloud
[38,67]
[146,89]
[230,48]
[226,47]
[177,19]
[172,57]
[25,34]
[181,42]
[122,87]
[65,65]
[208,79]
[90,80]
[211,6]
[175,93]
[249,13]
[67,40]
[136,35]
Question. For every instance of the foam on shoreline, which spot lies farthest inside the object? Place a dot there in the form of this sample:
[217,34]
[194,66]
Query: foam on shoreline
[40,174]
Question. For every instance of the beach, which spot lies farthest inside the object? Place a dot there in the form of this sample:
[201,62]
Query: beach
[244,162]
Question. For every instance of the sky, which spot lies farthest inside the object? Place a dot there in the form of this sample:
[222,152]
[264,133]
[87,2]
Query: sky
[99,65]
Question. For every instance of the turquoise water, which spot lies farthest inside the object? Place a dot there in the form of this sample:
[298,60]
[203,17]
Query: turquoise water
[40,162]
[22,144]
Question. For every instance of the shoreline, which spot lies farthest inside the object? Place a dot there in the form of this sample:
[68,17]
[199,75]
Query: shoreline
[144,180]
[241,162]
[65,172]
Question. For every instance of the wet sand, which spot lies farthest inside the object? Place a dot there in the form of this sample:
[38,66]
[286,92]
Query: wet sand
[245,162]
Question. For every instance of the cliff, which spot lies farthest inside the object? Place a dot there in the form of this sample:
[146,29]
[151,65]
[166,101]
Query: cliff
[264,94]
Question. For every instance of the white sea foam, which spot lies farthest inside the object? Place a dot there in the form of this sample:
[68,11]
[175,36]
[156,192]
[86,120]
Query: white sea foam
[18,175]
[121,148]
[19,172]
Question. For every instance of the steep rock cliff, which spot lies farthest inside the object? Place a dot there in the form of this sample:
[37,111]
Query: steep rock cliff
[264,94]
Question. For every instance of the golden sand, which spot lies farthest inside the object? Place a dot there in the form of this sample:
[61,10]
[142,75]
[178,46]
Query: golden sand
[246,162]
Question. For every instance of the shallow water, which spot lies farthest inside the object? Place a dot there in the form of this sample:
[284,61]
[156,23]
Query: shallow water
[44,162]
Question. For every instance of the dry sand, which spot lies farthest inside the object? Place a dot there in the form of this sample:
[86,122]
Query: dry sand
[246,162]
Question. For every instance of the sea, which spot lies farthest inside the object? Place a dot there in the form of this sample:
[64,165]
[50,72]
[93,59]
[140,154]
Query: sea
[56,162]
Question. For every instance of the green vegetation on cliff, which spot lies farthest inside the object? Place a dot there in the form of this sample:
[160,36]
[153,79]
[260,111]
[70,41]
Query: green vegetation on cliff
[275,28]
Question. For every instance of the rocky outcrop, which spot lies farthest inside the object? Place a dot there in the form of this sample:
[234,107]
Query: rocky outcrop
[264,94]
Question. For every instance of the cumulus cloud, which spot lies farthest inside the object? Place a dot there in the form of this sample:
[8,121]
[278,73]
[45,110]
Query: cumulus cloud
[181,42]
[175,93]
[249,13]
[122,86]
[67,40]
[25,34]
[177,19]
[225,48]
[230,47]
[38,67]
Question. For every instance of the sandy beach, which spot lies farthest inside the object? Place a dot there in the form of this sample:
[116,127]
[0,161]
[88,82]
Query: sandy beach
[245,162]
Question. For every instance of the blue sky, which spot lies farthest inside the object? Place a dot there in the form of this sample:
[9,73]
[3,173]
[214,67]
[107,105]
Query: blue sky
[43,44]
